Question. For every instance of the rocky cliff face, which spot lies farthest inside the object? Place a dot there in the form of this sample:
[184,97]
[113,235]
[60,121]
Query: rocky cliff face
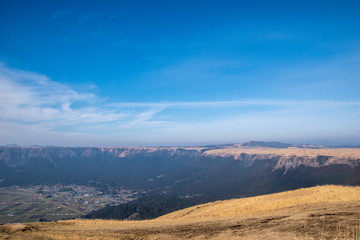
[19,156]
[292,157]
[287,158]
[213,172]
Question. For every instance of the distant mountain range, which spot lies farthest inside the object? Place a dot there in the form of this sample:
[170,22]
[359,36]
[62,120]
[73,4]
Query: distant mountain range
[266,144]
[286,145]
[202,173]
[245,144]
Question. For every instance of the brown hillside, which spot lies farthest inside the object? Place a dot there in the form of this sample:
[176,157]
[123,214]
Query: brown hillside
[327,212]
[268,204]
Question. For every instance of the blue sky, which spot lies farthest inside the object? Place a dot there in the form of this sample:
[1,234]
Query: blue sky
[134,73]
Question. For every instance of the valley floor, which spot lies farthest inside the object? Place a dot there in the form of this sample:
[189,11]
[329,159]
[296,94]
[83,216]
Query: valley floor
[321,220]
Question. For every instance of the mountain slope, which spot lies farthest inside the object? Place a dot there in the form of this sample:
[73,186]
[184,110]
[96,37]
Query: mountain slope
[142,208]
[267,203]
[326,212]
[205,173]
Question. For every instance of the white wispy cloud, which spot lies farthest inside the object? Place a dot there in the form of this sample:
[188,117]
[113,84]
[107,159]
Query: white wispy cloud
[237,103]
[37,110]
[27,97]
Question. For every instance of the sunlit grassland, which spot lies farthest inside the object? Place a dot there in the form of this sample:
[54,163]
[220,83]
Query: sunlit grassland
[272,203]
[326,212]
[25,205]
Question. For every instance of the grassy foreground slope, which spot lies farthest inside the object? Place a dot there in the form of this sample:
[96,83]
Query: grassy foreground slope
[326,212]
[267,204]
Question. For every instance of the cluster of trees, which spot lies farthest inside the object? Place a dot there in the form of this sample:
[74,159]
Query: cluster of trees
[143,208]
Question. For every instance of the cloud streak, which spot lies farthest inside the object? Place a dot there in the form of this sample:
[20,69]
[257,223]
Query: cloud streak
[37,110]
[237,103]
[27,97]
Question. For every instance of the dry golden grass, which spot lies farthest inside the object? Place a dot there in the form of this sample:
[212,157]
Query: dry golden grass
[353,153]
[327,212]
[237,149]
[268,203]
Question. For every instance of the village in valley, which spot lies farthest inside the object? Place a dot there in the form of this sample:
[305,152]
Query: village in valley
[57,202]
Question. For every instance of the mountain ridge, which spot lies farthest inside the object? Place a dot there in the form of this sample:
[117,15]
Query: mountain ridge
[207,173]
[253,143]
[17,156]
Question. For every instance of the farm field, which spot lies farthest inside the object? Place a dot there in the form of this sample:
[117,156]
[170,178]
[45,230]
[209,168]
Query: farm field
[25,205]
[52,203]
